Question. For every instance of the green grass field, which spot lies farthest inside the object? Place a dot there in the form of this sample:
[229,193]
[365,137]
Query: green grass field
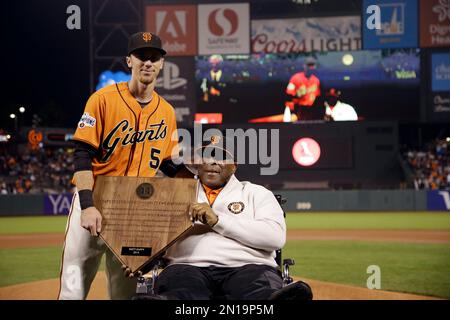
[385,220]
[17,225]
[30,264]
[426,221]
[413,268]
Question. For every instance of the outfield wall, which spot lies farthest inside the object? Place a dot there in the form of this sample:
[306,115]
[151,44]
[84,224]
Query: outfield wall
[35,205]
[350,200]
[297,200]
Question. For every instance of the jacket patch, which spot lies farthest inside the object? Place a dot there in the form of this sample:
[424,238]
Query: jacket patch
[236,207]
[86,120]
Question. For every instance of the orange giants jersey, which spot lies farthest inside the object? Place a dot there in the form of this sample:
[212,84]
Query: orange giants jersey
[304,90]
[131,140]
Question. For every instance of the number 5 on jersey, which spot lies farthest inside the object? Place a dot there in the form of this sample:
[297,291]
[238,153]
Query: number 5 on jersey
[154,156]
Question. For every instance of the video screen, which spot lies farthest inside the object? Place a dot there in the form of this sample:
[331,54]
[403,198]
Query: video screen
[331,86]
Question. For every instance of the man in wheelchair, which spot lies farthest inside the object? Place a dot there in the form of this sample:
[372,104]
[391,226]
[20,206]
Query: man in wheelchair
[230,251]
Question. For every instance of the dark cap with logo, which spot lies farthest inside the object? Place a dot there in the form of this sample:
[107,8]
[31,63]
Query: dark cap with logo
[142,40]
[310,61]
[215,148]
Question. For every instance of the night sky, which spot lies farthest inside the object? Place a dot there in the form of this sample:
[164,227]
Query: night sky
[45,65]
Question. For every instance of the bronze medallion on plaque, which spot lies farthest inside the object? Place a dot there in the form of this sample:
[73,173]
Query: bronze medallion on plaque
[144,190]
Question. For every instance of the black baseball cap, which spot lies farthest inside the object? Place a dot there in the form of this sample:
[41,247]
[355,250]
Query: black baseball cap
[215,149]
[333,93]
[310,61]
[142,40]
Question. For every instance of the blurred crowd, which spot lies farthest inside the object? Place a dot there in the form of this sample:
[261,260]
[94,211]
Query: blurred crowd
[42,171]
[49,170]
[431,166]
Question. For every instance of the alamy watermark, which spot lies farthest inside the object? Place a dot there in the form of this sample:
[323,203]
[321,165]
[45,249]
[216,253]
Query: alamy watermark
[251,146]
[374,20]
[73,21]
[374,280]
[73,278]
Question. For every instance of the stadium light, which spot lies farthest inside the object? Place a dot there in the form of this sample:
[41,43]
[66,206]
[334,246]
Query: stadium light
[347,59]
[16,122]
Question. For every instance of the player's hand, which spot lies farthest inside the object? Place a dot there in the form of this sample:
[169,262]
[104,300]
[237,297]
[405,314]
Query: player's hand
[202,212]
[128,274]
[91,220]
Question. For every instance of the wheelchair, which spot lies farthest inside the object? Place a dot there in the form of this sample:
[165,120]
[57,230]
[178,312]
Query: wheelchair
[291,290]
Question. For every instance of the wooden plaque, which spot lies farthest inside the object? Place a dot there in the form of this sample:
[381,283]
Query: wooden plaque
[142,217]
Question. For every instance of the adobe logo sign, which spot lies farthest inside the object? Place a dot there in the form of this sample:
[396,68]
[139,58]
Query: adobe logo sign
[224,28]
[176,26]
[306,152]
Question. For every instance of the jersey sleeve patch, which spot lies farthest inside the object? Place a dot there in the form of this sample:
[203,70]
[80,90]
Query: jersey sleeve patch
[86,120]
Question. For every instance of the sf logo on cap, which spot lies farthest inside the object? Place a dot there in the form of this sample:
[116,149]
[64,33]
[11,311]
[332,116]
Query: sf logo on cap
[146,36]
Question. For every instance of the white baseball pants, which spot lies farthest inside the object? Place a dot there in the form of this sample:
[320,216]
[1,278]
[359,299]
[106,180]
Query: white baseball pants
[81,258]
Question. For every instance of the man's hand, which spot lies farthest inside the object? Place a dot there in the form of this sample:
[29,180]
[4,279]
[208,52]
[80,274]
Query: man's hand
[203,213]
[128,274]
[91,220]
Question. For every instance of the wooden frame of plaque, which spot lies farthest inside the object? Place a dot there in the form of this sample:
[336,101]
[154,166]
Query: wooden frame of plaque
[143,217]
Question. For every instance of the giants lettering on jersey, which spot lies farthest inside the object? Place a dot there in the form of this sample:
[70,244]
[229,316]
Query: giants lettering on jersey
[152,133]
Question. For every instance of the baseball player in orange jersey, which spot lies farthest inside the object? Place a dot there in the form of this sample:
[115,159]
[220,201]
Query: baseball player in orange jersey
[126,130]
[302,91]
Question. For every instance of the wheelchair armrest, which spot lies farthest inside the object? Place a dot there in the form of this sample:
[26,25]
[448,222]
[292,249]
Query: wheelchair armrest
[289,262]
[280,199]
[146,282]
[285,271]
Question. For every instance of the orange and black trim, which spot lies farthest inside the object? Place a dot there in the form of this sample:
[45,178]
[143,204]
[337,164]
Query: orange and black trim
[146,124]
[136,125]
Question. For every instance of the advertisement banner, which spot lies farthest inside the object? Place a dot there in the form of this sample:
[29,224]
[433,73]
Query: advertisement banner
[439,103]
[440,72]
[309,152]
[176,26]
[57,204]
[176,84]
[439,97]
[438,200]
[390,24]
[306,35]
[224,28]
[434,23]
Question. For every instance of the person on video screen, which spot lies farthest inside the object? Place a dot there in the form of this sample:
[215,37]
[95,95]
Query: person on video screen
[303,90]
[335,110]
[213,84]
